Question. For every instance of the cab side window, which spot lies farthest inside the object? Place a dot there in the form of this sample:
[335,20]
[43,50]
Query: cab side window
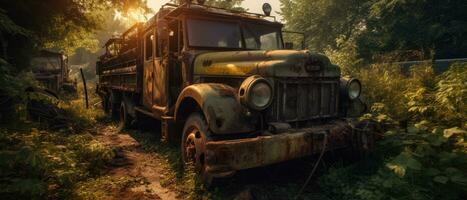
[149,45]
[158,45]
[176,40]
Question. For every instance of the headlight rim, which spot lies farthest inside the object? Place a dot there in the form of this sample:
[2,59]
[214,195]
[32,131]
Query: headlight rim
[349,82]
[246,90]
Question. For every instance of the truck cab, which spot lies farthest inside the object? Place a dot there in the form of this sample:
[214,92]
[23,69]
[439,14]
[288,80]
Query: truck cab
[51,69]
[225,88]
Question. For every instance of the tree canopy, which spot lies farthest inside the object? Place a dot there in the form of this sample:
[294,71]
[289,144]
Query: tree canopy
[434,28]
[322,20]
[28,25]
[228,4]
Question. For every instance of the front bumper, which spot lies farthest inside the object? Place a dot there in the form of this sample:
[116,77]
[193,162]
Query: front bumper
[225,157]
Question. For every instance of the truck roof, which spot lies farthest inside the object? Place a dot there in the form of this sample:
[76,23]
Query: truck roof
[172,11]
[112,40]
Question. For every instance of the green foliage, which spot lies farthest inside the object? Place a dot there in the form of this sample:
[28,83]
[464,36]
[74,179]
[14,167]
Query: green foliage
[13,84]
[101,187]
[422,163]
[39,163]
[8,26]
[426,159]
[443,101]
[232,4]
[228,4]
[47,164]
[78,115]
[345,55]
[60,25]
[423,25]
[451,94]
[323,20]
[384,83]
[432,28]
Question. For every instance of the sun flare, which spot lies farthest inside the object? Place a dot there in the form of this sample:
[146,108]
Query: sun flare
[132,16]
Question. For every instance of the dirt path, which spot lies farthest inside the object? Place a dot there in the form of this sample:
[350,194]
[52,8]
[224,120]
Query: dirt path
[154,170]
[132,161]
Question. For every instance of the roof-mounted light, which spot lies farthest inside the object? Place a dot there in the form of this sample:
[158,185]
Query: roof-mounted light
[267,9]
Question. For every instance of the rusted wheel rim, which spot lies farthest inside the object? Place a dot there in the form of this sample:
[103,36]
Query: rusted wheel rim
[190,148]
[193,148]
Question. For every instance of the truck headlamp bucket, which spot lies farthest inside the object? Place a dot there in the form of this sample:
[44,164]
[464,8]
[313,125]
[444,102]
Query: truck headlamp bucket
[256,93]
[267,8]
[352,87]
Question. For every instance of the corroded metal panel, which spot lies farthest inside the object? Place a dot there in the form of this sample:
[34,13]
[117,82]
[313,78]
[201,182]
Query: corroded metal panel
[148,81]
[276,63]
[247,153]
[223,112]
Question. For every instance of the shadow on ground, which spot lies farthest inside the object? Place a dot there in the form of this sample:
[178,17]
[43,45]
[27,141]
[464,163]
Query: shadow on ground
[279,181]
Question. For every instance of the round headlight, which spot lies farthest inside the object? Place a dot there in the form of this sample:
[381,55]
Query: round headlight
[260,94]
[256,93]
[354,88]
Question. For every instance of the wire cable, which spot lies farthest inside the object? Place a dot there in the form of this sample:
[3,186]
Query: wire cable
[325,142]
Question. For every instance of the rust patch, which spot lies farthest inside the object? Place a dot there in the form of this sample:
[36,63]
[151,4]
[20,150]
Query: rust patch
[223,90]
[269,149]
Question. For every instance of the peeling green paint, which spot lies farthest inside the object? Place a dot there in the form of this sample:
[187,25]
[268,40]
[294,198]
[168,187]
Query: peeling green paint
[277,63]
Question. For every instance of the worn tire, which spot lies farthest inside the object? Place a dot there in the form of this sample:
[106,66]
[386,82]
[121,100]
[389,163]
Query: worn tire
[193,144]
[125,119]
[114,106]
[106,104]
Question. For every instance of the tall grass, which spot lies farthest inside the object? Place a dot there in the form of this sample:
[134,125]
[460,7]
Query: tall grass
[40,163]
[424,151]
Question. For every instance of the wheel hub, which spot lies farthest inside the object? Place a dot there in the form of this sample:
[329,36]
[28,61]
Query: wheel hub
[190,148]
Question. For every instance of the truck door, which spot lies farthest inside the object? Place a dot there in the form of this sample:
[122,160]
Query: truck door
[148,72]
[160,75]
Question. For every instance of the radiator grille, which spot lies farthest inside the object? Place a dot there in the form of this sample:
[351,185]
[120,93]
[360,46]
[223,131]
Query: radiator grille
[303,100]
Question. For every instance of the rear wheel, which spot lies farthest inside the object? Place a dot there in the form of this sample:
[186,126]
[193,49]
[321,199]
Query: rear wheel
[125,118]
[106,104]
[193,146]
[114,106]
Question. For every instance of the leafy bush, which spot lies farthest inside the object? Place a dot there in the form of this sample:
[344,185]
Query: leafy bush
[419,164]
[345,56]
[15,84]
[47,164]
[40,163]
[427,158]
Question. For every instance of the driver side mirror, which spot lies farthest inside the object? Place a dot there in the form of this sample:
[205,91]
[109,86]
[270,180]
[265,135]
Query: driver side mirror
[288,45]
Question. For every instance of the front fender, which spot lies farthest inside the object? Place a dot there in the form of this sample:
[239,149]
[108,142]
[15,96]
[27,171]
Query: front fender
[219,104]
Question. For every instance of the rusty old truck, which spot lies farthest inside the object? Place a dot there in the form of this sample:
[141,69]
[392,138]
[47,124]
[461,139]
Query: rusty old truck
[224,87]
[51,69]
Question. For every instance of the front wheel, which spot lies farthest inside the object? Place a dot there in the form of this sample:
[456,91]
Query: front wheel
[193,146]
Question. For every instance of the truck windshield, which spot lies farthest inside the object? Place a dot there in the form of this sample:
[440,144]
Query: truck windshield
[262,37]
[206,33]
[45,63]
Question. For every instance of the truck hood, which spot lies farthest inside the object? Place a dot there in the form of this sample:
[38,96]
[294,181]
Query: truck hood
[275,63]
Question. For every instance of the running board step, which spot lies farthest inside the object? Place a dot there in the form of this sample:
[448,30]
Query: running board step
[144,111]
[147,112]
